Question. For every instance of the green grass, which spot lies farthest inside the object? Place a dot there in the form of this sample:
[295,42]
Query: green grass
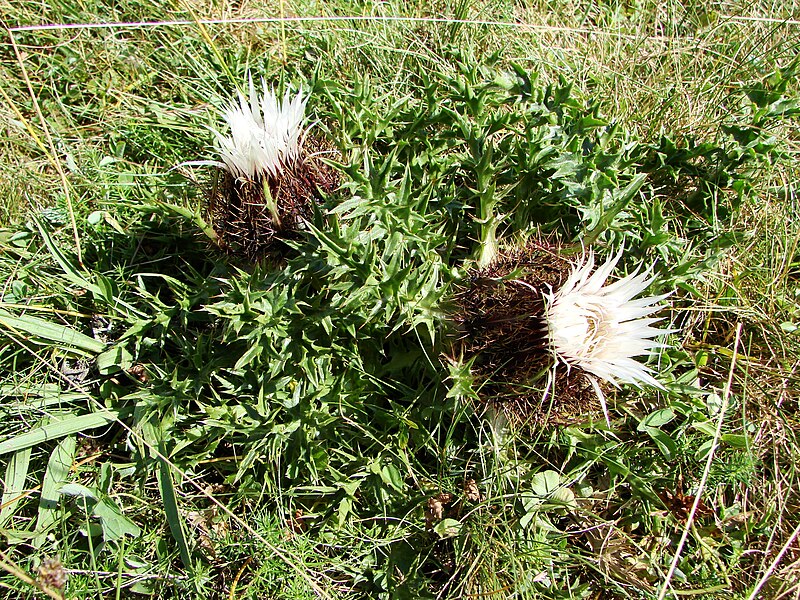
[226,430]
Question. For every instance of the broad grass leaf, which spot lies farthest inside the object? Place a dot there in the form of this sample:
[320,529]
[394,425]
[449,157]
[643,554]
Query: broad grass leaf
[45,331]
[58,429]
[71,273]
[166,488]
[55,477]
[39,396]
[14,484]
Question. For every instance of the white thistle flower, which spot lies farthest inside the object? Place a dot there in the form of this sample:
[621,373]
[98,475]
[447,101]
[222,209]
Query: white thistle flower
[601,328]
[265,133]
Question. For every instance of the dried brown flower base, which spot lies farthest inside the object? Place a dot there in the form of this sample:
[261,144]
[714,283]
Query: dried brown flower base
[241,215]
[571,400]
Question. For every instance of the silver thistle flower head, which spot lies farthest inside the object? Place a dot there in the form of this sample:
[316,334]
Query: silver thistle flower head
[265,133]
[602,328]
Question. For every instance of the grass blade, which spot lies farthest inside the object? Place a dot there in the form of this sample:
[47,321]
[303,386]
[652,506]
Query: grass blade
[14,487]
[53,332]
[55,477]
[37,396]
[74,276]
[68,426]
[66,265]
[167,488]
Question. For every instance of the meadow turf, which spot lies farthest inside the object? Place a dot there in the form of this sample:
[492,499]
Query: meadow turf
[176,421]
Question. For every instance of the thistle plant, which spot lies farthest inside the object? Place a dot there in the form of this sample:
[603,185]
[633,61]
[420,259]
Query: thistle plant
[269,182]
[532,310]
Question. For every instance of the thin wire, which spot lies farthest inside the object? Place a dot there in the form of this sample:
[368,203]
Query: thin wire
[310,19]
[768,573]
[709,461]
[363,18]
[762,19]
